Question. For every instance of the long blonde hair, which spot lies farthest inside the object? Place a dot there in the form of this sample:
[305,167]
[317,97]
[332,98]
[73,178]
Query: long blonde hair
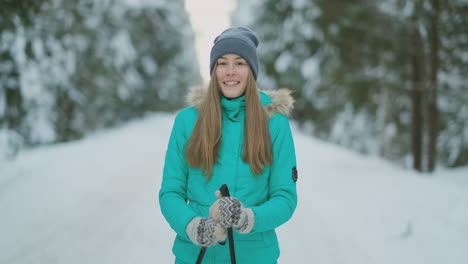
[204,143]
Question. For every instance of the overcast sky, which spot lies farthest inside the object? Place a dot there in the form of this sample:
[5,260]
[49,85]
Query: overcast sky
[209,18]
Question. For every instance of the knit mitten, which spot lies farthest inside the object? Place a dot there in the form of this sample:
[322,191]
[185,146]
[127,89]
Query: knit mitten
[205,232]
[230,212]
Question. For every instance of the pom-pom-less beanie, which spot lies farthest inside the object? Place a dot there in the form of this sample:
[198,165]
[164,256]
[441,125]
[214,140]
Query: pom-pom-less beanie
[241,41]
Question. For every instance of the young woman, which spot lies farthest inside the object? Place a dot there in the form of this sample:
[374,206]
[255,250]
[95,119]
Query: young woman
[235,135]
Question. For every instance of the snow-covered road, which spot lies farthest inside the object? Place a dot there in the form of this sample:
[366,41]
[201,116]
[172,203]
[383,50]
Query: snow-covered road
[95,201]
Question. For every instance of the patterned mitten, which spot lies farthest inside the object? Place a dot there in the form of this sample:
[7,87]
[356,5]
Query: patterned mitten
[230,212]
[205,231]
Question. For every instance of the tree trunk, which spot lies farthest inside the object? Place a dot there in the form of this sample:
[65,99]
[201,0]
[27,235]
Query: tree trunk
[65,111]
[416,97]
[14,114]
[433,112]
[14,108]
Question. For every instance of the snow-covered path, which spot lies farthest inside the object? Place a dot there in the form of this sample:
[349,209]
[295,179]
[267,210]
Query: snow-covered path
[95,201]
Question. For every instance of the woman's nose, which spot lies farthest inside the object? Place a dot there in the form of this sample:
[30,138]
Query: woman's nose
[231,69]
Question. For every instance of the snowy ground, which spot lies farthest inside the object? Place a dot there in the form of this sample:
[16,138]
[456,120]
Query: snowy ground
[95,201]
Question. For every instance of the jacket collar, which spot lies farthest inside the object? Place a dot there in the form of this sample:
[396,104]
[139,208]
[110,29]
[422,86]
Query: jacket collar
[275,101]
[234,109]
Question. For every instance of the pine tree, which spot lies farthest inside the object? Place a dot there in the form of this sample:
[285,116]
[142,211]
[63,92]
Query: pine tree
[375,76]
[79,66]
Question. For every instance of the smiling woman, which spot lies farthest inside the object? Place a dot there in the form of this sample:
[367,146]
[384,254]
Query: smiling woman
[238,136]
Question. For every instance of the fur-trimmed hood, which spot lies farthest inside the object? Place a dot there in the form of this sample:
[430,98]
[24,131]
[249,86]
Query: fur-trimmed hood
[281,100]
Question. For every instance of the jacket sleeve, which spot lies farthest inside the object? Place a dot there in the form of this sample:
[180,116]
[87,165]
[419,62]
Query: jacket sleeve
[282,194]
[173,192]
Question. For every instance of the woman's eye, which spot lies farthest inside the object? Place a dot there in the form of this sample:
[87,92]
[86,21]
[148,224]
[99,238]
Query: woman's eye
[221,63]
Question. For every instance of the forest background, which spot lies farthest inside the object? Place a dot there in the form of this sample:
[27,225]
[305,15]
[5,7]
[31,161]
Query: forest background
[386,78]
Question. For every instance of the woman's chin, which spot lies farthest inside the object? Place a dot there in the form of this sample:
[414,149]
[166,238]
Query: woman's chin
[231,93]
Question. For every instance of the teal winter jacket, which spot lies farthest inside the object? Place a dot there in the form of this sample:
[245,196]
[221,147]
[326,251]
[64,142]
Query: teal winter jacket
[272,196]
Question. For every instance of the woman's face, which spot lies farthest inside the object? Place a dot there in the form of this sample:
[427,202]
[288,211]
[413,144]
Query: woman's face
[232,72]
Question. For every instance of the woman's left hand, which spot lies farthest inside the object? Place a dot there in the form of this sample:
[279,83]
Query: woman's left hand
[230,212]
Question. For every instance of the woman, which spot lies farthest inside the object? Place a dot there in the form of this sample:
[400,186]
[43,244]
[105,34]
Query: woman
[235,135]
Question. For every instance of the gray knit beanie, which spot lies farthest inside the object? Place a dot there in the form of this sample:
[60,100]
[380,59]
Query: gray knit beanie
[241,41]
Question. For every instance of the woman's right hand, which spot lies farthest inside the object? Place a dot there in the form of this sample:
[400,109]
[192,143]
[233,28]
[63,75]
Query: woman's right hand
[205,232]
[230,212]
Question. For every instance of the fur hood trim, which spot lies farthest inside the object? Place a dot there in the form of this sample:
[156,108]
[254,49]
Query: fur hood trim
[281,100]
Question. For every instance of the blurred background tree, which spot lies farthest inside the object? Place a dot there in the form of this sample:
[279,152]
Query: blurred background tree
[383,77]
[12,108]
[71,67]
[386,77]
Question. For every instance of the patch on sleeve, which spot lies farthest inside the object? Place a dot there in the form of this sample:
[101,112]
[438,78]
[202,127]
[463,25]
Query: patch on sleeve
[294,174]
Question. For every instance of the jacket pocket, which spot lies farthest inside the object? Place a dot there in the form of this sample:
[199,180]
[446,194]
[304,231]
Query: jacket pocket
[263,239]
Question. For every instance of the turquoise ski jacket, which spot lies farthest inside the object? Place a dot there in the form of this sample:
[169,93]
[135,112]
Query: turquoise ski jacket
[272,196]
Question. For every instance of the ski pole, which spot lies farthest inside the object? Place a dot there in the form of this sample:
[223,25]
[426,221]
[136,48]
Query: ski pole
[201,255]
[224,193]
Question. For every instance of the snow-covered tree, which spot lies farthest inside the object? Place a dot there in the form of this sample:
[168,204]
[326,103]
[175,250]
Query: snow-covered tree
[75,66]
[382,77]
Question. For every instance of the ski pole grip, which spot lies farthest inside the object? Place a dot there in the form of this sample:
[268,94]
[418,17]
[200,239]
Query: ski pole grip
[224,190]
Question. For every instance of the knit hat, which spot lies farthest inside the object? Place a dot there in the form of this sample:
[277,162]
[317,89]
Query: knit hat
[241,41]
